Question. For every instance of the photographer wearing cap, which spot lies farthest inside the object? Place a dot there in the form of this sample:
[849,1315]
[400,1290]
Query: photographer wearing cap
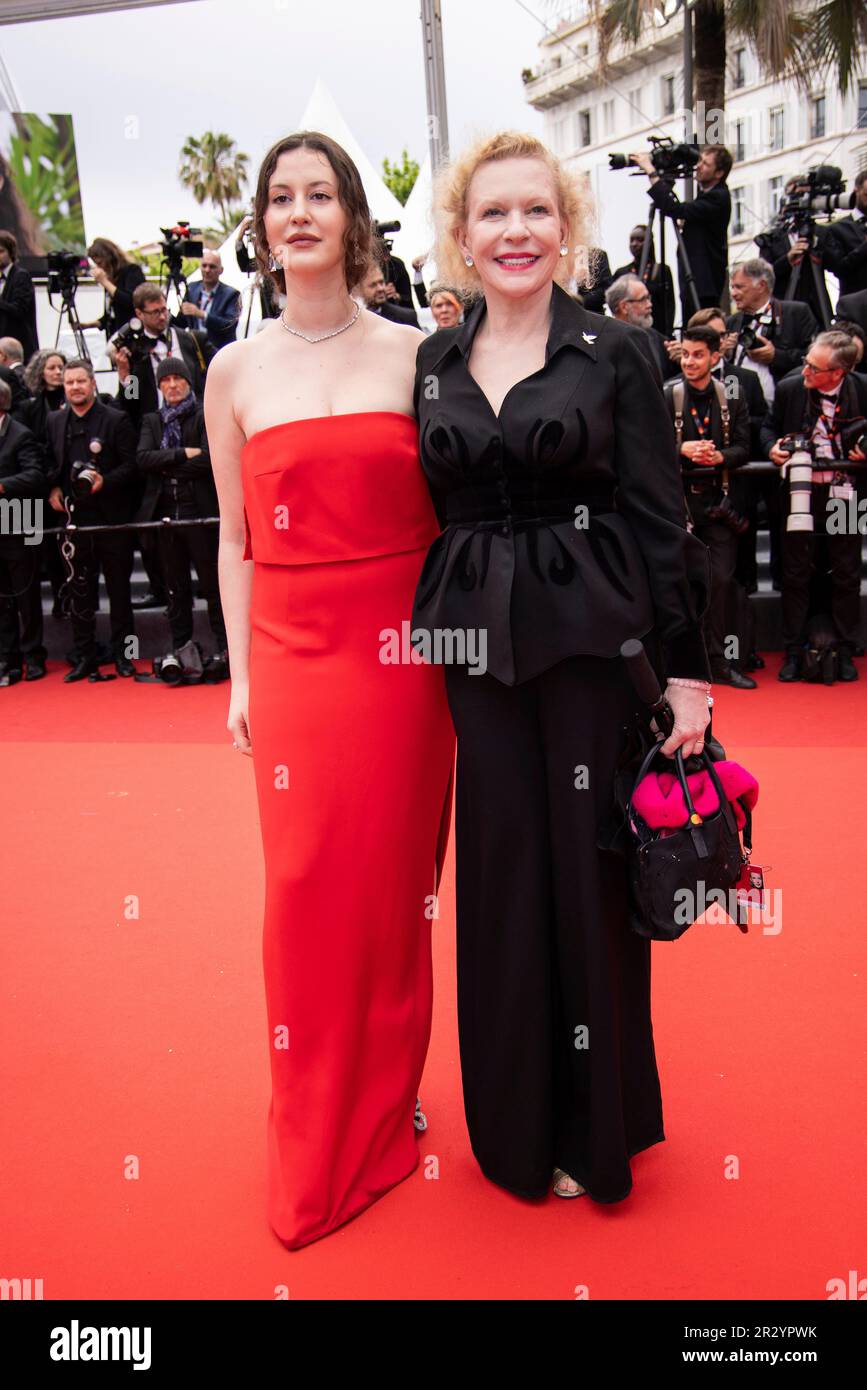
[173,455]
[826,408]
[704,222]
[846,245]
[712,432]
[772,334]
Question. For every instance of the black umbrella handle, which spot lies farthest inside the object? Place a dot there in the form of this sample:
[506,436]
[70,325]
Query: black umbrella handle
[646,684]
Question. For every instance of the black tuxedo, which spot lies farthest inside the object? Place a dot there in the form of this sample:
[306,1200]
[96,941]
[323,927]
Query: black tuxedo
[846,253]
[23,475]
[395,313]
[660,286]
[112,550]
[774,246]
[796,410]
[791,331]
[18,309]
[854,307]
[705,492]
[705,238]
[195,350]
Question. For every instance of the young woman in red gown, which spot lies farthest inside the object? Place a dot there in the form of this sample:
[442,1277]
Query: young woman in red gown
[325,518]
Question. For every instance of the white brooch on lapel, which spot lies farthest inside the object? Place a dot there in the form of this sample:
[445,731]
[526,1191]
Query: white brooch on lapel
[589,337]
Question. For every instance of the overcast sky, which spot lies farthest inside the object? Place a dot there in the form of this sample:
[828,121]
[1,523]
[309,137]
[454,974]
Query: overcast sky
[248,67]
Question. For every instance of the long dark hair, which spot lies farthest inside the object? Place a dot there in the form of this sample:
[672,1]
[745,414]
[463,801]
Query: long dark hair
[350,190]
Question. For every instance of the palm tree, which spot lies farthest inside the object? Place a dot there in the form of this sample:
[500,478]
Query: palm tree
[214,170]
[801,44]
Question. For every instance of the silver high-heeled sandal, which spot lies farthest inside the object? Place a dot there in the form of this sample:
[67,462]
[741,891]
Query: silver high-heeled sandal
[560,1178]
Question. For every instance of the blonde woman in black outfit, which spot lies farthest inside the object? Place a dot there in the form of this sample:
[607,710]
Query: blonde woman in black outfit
[550,458]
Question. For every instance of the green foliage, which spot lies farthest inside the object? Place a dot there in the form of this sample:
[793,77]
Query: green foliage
[44,170]
[400,178]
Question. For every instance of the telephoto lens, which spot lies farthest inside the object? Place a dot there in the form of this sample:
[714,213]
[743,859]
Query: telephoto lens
[799,471]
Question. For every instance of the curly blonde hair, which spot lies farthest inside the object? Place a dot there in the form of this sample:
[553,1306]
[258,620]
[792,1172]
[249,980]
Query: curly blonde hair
[451,202]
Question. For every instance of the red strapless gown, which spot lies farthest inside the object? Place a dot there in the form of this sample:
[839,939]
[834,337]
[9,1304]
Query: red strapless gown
[353,759]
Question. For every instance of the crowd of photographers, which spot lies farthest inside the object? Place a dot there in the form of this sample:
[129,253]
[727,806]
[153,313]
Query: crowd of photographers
[782,378]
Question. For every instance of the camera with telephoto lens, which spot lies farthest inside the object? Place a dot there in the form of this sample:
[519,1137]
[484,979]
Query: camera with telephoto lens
[64,268]
[799,471]
[820,192]
[384,230]
[670,161]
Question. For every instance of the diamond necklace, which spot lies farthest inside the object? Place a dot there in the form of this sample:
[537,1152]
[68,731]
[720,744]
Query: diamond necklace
[322,336]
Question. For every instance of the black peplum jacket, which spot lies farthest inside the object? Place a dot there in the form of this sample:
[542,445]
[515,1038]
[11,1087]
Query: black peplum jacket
[565,525]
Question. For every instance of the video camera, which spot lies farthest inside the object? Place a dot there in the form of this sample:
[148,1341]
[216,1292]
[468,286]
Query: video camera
[670,161]
[178,243]
[64,268]
[384,230]
[821,192]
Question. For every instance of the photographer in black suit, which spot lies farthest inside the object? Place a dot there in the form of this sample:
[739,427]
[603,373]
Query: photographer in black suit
[704,223]
[846,244]
[712,431]
[785,249]
[137,355]
[827,404]
[17,298]
[772,334]
[173,455]
[23,478]
[94,477]
[628,299]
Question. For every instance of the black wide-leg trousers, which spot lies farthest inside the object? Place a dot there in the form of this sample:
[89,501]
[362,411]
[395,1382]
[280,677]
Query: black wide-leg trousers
[544,948]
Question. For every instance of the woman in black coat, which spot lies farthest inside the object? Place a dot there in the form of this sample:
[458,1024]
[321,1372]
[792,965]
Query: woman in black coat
[551,462]
[118,276]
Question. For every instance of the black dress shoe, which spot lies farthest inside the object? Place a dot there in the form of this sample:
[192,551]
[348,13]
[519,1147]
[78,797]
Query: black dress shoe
[87,667]
[149,600]
[9,674]
[790,669]
[754,662]
[35,670]
[846,668]
[124,666]
[730,675]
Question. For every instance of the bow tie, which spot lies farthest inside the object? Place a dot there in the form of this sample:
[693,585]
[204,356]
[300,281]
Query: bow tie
[824,396]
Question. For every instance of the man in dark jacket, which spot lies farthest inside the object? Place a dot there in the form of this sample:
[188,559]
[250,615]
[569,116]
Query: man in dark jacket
[137,361]
[657,277]
[828,404]
[785,250]
[373,291]
[704,223]
[94,475]
[628,299]
[846,245]
[211,305]
[853,307]
[17,298]
[783,328]
[173,455]
[23,481]
[713,432]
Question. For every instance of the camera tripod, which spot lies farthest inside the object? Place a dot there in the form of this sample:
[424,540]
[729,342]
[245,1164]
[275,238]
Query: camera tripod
[67,308]
[685,276]
[813,255]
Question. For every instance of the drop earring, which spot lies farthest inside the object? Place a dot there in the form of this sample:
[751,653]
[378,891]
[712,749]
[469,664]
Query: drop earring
[468,259]
[273,263]
[564,250]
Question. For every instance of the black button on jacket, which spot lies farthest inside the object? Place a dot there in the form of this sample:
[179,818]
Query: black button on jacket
[565,527]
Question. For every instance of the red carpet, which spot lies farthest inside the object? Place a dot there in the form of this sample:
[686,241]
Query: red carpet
[133,1033]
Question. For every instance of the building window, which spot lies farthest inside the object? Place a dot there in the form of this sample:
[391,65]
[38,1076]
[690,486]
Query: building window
[775,193]
[584,129]
[636,116]
[737,211]
[668,95]
[739,73]
[608,116]
[862,105]
[740,149]
[817,117]
[777,127]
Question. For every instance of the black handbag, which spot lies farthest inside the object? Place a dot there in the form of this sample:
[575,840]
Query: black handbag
[672,876]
